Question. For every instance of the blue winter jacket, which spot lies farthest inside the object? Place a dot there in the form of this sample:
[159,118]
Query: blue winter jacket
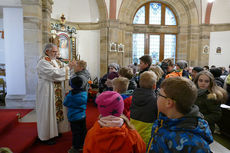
[76,104]
[189,134]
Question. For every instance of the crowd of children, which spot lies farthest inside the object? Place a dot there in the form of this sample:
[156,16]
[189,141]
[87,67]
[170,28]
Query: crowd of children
[159,109]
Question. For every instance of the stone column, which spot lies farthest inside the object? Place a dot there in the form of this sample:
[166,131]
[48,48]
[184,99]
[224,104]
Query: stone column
[204,40]
[32,20]
[112,31]
[103,50]
[194,43]
[182,43]
[46,18]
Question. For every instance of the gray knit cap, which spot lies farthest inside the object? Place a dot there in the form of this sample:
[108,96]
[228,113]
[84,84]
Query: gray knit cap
[182,64]
[114,65]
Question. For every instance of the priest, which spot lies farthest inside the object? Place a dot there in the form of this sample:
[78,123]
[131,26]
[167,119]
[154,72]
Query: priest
[51,114]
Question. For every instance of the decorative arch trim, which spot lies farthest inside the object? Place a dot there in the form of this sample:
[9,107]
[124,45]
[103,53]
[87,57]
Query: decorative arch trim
[208,13]
[112,11]
[103,12]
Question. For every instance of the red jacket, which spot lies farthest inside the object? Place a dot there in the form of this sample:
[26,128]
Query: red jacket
[113,140]
[127,104]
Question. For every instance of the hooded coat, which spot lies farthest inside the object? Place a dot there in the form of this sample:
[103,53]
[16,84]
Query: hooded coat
[143,111]
[76,104]
[113,140]
[209,107]
[189,133]
[127,97]
[86,75]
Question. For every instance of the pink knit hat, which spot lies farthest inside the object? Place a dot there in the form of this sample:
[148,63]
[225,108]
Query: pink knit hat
[110,103]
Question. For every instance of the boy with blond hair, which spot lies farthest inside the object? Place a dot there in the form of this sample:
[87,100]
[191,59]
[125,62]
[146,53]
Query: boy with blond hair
[80,69]
[180,126]
[144,105]
[120,85]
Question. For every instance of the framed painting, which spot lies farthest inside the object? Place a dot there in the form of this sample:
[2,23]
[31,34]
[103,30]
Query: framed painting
[113,47]
[65,37]
[64,46]
[218,50]
[121,48]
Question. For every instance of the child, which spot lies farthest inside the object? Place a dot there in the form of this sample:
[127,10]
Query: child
[76,101]
[80,69]
[113,67]
[110,78]
[167,65]
[127,73]
[210,96]
[120,85]
[195,71]
[145,63]
[143,110]
[180,71]
[180,127]
[159,73]
[112,132]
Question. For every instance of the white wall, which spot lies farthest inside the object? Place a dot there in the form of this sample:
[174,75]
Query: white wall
[220,12]
[88,40]
[2,53]
[10,2]
[89,50]
[220,39]
[14,51]
[76,10]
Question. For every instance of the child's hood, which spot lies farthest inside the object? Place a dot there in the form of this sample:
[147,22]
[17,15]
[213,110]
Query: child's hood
[84,73]
[202,92]
[192,122]
[112,137]
[142,96]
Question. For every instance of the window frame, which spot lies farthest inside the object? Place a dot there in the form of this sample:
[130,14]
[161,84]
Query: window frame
[163,9]
[162,34]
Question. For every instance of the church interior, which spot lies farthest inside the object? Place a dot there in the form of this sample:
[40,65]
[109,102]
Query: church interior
[101,32]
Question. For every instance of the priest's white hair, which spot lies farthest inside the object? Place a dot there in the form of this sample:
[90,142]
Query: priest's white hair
[48,47]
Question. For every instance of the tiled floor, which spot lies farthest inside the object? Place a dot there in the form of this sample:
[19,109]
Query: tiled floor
[218,148]
[215,146]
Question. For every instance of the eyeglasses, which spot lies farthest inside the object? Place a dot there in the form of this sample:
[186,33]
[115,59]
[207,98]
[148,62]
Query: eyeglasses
[159,94]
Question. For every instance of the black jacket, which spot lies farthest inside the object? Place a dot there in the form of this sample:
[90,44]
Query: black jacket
[144,105]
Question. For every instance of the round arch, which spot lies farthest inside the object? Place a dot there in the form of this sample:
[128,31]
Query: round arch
[183,9]
[103,12]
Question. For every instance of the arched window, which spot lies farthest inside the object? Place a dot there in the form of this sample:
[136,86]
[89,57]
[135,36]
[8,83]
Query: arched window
[159,45]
